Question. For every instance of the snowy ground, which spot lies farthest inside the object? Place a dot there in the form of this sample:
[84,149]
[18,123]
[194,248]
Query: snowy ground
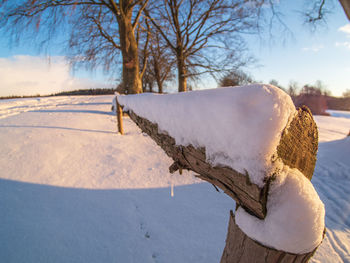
[72,190]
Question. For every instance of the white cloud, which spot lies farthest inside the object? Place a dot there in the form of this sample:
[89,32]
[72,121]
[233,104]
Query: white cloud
[30,75]
[343,44]
[315,48]
[345,29]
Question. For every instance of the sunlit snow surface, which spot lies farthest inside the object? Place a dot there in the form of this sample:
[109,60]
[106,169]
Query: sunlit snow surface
[72,190]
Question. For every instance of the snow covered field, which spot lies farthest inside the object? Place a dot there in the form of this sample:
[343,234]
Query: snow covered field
[72,190]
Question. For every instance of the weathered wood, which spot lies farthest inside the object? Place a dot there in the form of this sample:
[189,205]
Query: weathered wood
[297,148]
[120,118]
[299,143]
[241,248]
[233,183]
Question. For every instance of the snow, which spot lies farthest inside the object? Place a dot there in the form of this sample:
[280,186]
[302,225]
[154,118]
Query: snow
[295,217]
[332,181]
[338,129]
[239,127]
[337,113]
[73,190]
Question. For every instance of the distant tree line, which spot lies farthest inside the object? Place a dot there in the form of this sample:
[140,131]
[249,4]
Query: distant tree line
[239,77]
[316,96]
[104,91]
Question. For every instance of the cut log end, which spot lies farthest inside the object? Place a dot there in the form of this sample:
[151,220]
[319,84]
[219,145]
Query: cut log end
[299,143]
[242,249]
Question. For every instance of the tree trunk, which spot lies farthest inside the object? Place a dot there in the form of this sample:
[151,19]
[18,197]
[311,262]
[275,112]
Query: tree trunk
[159,84]
[181,71]
[131,82]
[160,87]
[346,6]
[158,77]
[242,249]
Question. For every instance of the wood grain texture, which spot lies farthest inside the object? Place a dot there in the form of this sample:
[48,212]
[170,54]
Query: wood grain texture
[241,248]
[299,143]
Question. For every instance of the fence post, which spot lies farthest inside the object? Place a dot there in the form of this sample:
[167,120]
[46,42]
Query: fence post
[297,148]
[119,117]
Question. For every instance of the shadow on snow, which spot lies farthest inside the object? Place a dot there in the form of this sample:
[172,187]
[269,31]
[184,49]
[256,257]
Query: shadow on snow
[42,223]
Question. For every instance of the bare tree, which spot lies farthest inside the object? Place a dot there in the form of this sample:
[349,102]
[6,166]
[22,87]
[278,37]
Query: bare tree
[293,88]
[100,30]
[160,62]
[235,78]
[346,94]
[276,84]
[204,35]
[316,11]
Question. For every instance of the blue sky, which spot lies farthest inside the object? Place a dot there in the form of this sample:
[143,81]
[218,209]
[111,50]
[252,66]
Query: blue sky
[306,56]
[302,55]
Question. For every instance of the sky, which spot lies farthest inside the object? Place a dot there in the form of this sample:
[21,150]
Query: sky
[299,54]
[305,55]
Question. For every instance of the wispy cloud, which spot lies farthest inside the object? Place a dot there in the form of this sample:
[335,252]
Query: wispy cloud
[345,29]
[345,44]
[30,75]
[315,48]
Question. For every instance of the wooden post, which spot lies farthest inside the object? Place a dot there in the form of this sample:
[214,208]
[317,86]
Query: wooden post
[119,117]
[297,149]
[242,249]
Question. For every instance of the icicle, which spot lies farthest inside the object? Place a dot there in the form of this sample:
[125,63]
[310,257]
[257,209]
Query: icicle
[172,188]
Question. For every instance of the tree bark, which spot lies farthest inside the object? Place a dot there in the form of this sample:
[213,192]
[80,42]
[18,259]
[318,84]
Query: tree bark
[160,86]
[181,71]
[158,77]
[346,6]
[242,249]
[131,82]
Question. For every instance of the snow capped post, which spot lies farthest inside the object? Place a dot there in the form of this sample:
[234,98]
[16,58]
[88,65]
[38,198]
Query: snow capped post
[253,144]
[120,118]
[118,110]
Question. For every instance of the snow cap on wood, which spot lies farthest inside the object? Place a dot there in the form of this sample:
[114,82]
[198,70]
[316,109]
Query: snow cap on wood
[240,127]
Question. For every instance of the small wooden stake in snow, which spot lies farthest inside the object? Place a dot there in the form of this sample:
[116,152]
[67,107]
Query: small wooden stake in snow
[120,118]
